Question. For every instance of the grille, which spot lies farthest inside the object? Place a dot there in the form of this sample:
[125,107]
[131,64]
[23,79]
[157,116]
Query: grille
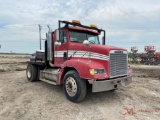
[118,64]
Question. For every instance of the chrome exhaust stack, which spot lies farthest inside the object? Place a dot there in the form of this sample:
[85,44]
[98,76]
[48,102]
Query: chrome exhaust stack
[49,45]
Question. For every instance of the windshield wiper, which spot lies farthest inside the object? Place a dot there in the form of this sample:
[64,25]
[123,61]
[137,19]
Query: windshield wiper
[76,41]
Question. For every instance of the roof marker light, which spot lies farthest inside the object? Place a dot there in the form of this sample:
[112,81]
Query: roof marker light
[76,21]
[93,26]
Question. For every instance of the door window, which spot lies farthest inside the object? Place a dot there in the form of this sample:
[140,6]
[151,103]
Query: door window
[63,37]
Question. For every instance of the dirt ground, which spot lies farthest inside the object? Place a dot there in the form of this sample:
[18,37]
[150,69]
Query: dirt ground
[20,99]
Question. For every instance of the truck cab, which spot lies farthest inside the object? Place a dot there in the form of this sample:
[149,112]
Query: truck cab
[74,57]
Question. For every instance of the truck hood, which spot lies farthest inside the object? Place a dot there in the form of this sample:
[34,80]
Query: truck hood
[100,57]
[104,49]
[95,48]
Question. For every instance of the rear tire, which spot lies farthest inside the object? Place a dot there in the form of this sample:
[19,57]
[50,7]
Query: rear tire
[74,87]
[31,73]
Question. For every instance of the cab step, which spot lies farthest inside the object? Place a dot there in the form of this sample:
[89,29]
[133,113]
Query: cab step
[48,81]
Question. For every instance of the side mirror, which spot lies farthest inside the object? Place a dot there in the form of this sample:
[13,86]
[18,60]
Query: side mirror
[57,35]
[57,43]
[86,43]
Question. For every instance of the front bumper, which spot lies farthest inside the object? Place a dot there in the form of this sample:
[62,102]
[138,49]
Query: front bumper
[106,85]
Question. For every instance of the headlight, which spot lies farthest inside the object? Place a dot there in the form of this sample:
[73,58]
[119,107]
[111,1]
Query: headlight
[97,71]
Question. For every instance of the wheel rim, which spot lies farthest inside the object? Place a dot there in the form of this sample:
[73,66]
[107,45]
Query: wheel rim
[29,72]
[71,86]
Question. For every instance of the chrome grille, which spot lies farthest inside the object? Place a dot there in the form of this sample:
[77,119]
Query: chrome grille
[118,64]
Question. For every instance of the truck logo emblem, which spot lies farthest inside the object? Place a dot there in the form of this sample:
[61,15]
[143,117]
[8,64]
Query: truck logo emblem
[118,51]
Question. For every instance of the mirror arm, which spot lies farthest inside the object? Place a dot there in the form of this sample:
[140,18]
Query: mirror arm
[104,38]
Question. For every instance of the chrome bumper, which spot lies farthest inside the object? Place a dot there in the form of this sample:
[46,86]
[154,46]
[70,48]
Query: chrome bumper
[106,85]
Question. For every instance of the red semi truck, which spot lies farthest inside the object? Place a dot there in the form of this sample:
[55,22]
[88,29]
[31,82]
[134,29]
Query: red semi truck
[73,57]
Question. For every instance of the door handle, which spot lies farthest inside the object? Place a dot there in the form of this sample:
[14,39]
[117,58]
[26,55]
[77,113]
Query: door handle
[65,56]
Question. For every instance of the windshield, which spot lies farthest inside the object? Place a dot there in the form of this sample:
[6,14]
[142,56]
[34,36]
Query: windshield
[77,36]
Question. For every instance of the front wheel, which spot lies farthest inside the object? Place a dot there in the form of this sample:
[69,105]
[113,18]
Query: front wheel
[74,87]
[31,73]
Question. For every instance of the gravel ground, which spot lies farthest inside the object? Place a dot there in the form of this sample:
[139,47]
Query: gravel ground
[20,99]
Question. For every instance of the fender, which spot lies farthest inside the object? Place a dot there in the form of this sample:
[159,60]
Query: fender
[83,65]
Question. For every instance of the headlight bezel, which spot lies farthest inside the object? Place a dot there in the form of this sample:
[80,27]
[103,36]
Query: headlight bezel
[97,71]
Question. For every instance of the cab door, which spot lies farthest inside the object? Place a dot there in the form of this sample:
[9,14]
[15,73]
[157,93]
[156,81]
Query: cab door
[62,50]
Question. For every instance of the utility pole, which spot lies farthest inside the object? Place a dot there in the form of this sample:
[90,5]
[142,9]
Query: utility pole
[40,35]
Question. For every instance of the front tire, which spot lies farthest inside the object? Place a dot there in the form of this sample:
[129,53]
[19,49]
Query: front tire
[74,87]
[31,73]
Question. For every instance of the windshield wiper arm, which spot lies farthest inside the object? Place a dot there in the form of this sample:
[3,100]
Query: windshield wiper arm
[76,41]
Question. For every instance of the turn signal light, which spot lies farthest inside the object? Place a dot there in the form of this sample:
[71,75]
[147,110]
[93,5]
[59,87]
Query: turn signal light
[91,71]
[76,21]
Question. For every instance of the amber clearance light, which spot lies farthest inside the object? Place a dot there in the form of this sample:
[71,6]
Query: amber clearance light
[76,21]
[93,26]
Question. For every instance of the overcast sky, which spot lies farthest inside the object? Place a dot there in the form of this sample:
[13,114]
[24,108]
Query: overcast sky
[127,22]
